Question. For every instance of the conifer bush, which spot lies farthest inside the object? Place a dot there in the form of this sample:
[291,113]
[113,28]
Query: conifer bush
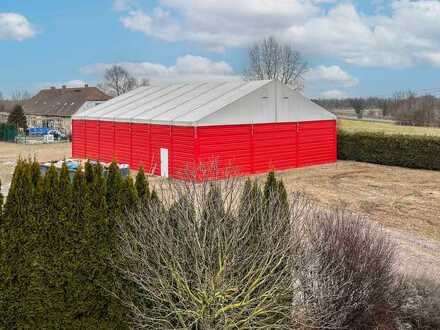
[1,201]
[55,245]
[142,186]
[16,244]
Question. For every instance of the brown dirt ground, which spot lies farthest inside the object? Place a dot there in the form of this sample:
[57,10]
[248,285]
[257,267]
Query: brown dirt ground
[406,202]
[10,152]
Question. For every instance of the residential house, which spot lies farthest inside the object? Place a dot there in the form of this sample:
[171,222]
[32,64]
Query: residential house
[5,109]
[54,107]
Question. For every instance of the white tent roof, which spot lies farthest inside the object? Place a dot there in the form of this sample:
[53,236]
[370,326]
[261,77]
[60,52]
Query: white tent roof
[213,103]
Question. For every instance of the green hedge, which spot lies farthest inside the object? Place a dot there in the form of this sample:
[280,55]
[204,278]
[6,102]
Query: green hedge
[411,151]
[8,132]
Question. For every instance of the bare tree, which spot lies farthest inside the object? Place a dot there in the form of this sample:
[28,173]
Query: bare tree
[118,81]
[272,60]
[359,106]
[410,109]
[19,96]
[1,96]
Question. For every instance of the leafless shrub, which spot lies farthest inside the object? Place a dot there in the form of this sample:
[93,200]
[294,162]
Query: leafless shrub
[344,268]
[220,256]
[420,307]
[198,262]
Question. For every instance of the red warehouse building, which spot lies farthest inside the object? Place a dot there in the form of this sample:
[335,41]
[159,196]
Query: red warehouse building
[250,127]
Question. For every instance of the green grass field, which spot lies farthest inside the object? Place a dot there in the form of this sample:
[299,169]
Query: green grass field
[387,128]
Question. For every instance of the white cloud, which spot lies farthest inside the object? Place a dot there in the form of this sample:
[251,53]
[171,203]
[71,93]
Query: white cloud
[75,83]
[404,37]
[333,94]
[219,24]
[121,5]
[15,27]
[330,75]
[187,68]
[160,24]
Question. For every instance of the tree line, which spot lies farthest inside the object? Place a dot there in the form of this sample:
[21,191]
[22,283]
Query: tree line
[406,108]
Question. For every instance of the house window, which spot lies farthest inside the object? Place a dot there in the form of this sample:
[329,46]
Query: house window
[49,123]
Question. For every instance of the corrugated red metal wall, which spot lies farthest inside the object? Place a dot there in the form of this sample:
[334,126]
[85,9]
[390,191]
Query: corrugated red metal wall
[140,146]
[275,147]
[242,149]
[317,143]
[259,148]
[106,140]
[135,144]
[229,147]
[78,139]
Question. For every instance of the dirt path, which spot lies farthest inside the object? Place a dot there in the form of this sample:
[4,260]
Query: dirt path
[416,255]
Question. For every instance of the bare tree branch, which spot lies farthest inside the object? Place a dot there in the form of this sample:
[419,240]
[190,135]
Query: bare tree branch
[272,60]
[118,81]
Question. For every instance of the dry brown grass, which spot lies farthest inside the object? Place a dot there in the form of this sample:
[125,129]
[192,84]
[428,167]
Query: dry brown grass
[396,197]
[10,152]
[355,126]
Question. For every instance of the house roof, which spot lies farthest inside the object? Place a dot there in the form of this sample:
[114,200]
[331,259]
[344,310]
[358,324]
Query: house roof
[209,103]
[7,106]
[62,102]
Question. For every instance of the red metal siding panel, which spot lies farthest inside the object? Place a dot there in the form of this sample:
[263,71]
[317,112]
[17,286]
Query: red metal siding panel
[106,141]
[92,139]
[274,147]
[78,139]
[140,146]
[226,148]
[317,143]
[122,152]
[183,153]
[160,137]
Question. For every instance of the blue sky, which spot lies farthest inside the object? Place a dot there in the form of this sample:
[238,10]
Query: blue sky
[353,47]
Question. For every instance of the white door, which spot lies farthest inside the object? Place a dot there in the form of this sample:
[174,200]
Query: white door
[164,162]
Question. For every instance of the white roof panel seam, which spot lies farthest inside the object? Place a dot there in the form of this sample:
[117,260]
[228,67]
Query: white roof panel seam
[120,102]
[253,86]
[171,99]
[234,88]
[196,102]
[142,102]
[111,102]
[135,98]
[202,92]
